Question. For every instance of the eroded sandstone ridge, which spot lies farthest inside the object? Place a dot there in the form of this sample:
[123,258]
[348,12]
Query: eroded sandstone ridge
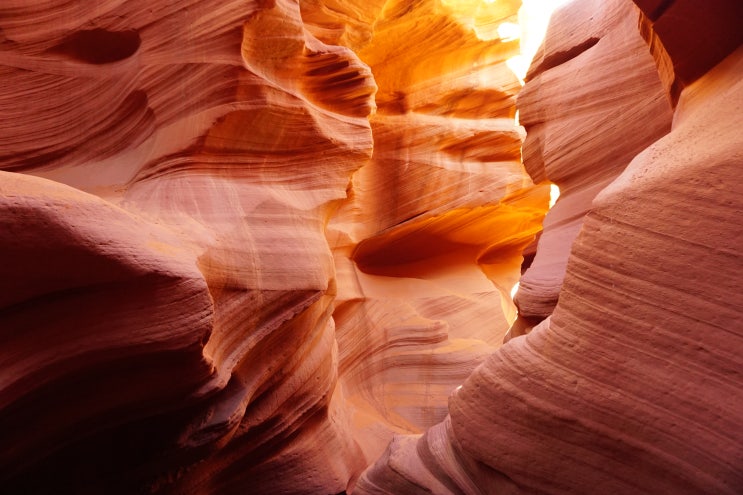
[591,102]
[632,383]
[253,246]
[245,242]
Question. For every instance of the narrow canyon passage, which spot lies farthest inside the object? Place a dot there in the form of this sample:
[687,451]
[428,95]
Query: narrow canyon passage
[312,247]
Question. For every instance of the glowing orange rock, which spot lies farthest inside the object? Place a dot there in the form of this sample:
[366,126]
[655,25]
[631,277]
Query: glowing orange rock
[262,282]
[632,385]
[428,245]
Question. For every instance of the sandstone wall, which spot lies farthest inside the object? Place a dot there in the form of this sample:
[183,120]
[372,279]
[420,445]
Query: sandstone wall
[244,242]
[592,101]
[632,385]
[259,245]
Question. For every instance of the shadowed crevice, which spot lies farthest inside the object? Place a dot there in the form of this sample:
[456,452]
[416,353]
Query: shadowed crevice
[559,58]
[660,10]
[100,46]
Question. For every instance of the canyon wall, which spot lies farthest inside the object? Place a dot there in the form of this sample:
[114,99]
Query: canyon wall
[268,246]
[592,101]
[632,383]
[245,243]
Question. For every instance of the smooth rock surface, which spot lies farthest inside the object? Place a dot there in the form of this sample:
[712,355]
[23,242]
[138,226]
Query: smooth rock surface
[633,384]
[220,268]
[592,101]
[267,246]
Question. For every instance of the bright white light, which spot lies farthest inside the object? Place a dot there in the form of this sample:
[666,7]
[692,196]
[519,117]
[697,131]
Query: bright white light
[489,1]
[534,16]
[508,31]
[518,65]
[554,194]
[514,290]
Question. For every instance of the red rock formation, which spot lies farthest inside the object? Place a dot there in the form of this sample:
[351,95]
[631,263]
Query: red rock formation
[688,38]
[591,102]
[78,274]
[246,242]
[178,273]
[427,247]
[191,321]
[582,147]
[633,385]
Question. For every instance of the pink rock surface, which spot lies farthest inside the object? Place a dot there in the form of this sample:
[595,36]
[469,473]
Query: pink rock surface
[209,226]
[633,385]
[77,275]
[593,100]
[254,246]
[187,313]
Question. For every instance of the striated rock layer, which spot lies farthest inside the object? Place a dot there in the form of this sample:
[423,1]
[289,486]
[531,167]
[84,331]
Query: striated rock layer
[223,267]
[592,101]
[428,244]
[248,244]
[157,339]
[633,385]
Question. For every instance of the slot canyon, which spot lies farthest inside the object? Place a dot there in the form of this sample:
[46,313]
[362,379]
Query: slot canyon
[315,247]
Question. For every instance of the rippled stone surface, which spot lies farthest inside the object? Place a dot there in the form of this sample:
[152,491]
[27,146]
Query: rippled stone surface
[593,99]
[633,384]
[246,242]
[259,245]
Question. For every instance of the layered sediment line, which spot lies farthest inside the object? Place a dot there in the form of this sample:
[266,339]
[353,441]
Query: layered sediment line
[632,385]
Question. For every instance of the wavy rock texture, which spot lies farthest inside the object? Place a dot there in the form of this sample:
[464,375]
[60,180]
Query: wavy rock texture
[429,243]
[75,331]
[633,385]
[191,321]
[592,101]
[241,274]
[582,131]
